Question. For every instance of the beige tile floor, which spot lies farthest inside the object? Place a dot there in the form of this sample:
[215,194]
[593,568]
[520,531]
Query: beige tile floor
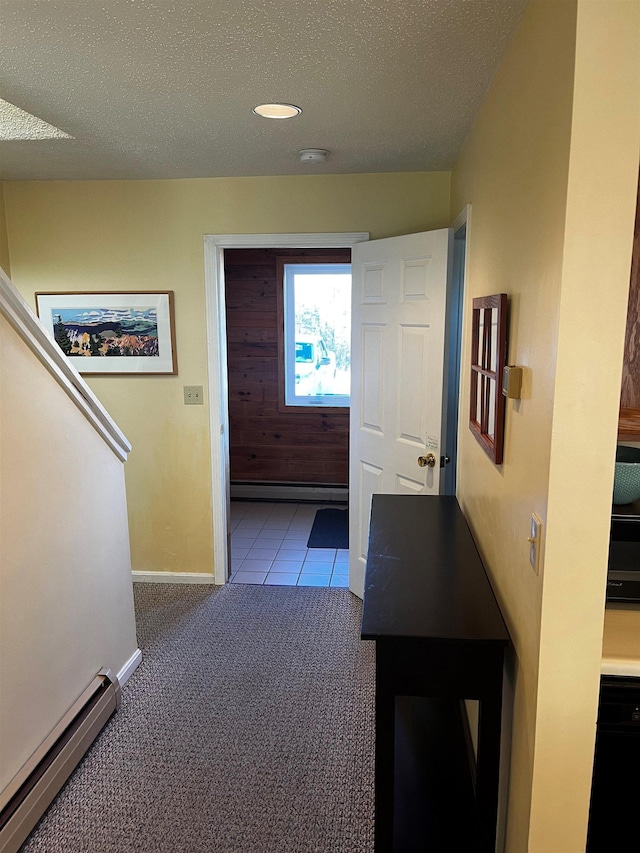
[269,546]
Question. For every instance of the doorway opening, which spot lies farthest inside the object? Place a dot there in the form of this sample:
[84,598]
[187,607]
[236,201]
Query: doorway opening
[215,248]
[288,323]
[288,426]
[219,344]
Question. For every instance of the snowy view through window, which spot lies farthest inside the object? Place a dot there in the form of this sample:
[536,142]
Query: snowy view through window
[317,334]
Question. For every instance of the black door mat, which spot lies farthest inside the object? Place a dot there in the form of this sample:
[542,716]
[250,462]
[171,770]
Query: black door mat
[330,529]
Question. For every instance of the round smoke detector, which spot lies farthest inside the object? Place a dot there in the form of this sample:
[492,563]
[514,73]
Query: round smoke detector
[313,155]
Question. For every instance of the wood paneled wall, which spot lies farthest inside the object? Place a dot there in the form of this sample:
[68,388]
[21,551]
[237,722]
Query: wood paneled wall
[629,426]
[268,444]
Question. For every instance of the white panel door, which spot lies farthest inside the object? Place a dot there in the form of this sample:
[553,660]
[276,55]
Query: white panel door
[398,374]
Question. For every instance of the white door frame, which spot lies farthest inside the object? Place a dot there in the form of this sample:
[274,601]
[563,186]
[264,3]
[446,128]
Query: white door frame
[214,246]
[455,344]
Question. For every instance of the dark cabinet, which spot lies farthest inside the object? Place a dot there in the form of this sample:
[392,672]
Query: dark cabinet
[440,639]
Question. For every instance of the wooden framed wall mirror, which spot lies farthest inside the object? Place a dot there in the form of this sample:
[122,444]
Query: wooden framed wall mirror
[488,357]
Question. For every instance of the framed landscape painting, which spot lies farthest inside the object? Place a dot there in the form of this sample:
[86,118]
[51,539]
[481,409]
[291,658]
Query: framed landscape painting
[110,332]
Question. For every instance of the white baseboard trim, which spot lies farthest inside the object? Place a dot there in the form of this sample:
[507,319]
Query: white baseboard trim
[172,577]
[130,667]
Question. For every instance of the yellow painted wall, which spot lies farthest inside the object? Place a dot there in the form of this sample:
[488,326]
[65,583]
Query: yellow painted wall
[146,235]
[4,242]
[601,202]
[550,169]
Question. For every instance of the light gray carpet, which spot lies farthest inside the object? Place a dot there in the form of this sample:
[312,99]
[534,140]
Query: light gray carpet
[248,727]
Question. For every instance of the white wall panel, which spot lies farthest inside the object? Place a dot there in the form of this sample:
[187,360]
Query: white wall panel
[413,343]
[372,377]
[415,279]
[373,284]
[370,484]
[407,486]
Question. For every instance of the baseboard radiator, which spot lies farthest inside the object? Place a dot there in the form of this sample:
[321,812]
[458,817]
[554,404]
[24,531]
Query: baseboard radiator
[298,492]
[31,791]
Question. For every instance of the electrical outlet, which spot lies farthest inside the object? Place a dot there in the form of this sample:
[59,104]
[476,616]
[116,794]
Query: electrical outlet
[535,537]
[193,395]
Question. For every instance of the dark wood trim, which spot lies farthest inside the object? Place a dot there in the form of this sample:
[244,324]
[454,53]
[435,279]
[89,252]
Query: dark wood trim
[629,427]
[484,379]
[629,424]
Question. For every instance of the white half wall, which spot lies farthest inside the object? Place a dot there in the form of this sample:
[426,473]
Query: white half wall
[66,596]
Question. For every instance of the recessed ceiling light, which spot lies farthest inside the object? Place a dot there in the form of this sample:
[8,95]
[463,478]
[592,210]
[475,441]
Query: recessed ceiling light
[277,110]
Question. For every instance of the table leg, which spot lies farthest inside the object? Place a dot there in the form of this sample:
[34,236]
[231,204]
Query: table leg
[385,751]
[488,768]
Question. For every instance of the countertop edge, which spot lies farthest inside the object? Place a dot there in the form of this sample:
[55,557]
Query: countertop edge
[620,666]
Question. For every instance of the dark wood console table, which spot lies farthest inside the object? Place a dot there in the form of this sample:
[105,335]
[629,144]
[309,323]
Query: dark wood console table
[440,638]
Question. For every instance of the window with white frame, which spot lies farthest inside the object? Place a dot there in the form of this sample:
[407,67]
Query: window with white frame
[317,334]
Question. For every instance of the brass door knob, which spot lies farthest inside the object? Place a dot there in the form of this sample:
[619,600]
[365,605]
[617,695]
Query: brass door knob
[427,461]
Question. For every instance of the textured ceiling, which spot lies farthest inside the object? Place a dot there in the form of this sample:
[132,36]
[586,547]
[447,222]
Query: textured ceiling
[16,124]
[165,88]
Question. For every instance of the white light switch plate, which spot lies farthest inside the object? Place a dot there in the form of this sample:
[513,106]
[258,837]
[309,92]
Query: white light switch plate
[193,395]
